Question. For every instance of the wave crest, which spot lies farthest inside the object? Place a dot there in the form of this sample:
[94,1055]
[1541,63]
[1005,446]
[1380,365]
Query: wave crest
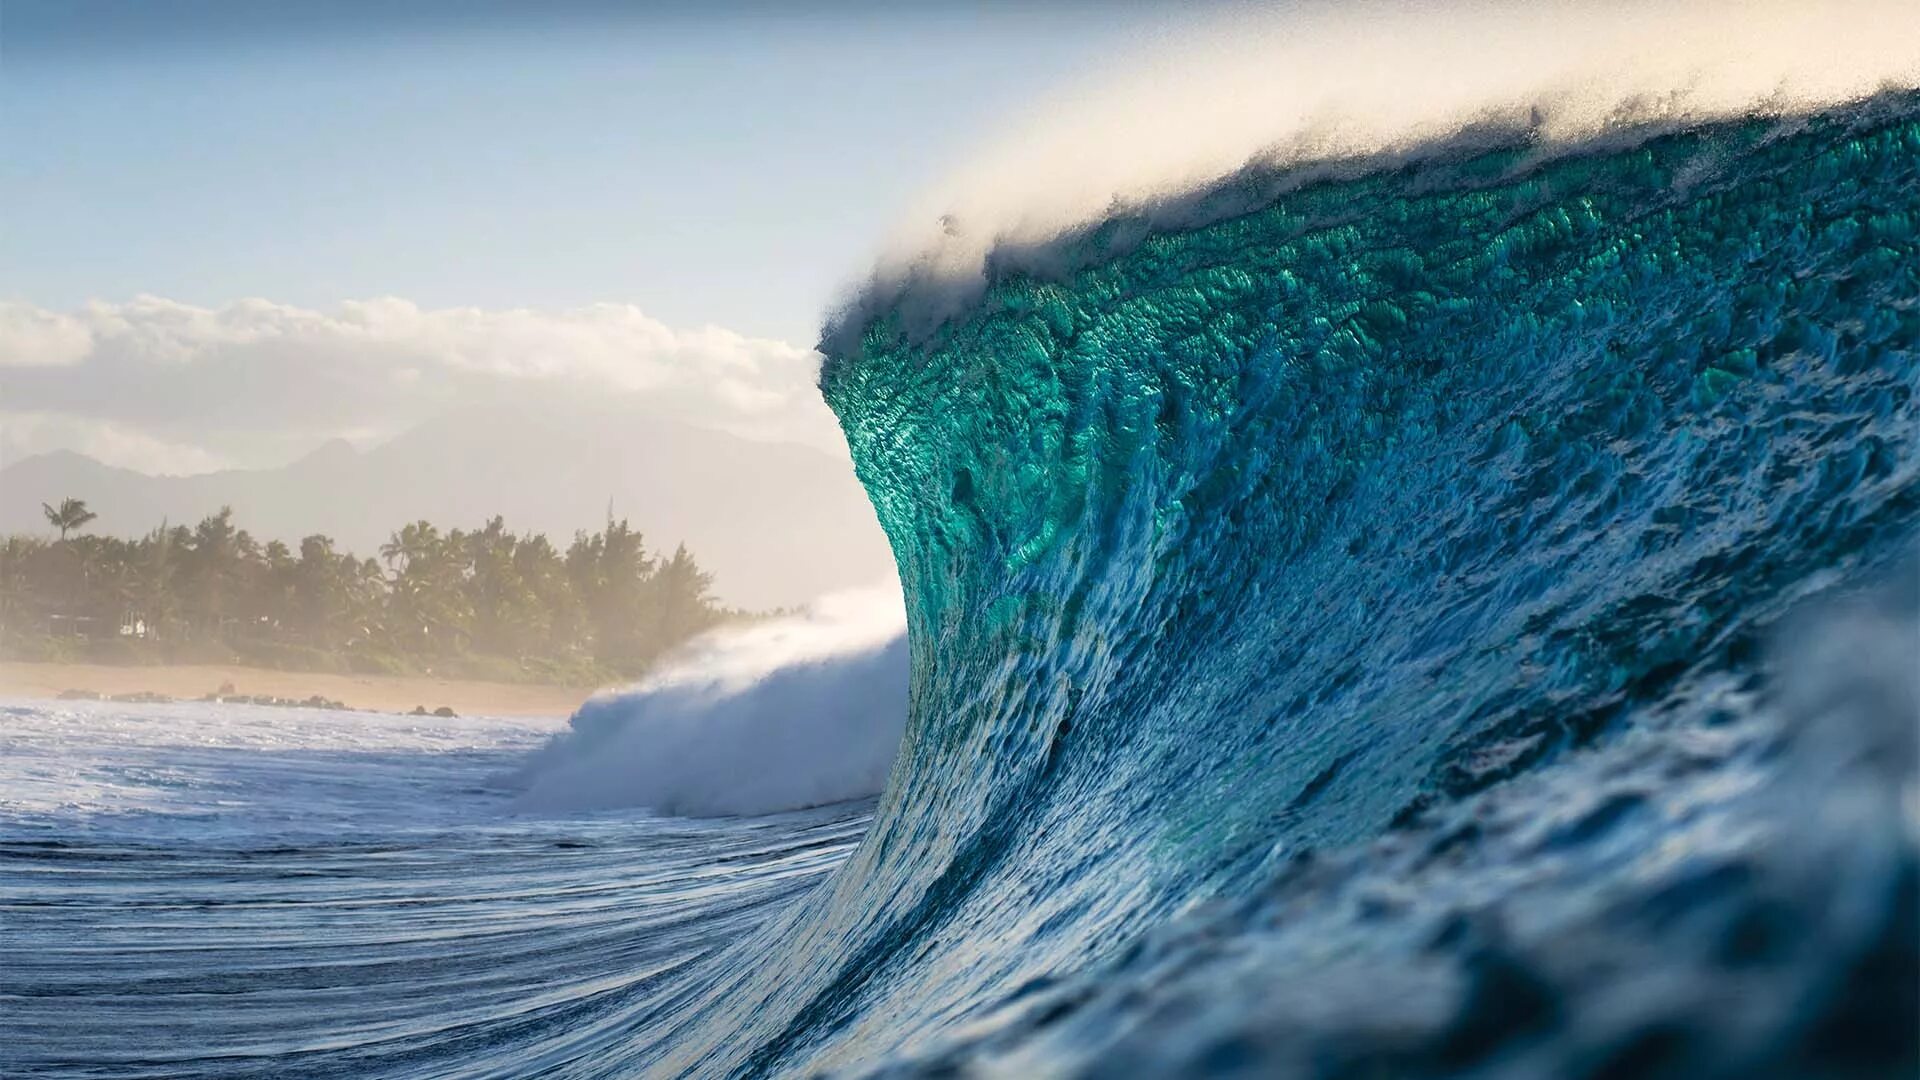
[1357,88]
[797,712]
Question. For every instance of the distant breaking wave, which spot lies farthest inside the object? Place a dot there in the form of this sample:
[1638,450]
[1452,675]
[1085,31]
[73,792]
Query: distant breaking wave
[797,712]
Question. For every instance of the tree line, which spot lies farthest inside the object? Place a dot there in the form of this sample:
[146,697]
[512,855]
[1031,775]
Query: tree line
[486,602]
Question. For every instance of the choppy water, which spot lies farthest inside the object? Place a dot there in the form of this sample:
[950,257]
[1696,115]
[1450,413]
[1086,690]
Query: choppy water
[194,890]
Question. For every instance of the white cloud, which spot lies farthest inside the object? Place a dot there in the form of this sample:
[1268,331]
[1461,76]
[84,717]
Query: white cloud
[34,337]
[255,381]
[23,434]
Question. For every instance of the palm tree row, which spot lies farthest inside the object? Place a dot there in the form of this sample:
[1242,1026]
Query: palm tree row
[485,602]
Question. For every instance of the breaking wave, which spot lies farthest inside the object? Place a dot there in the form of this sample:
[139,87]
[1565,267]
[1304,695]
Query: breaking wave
[1339,627]
[797,712]
[1213,120]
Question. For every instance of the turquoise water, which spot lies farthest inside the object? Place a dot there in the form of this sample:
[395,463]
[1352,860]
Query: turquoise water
[1427,510]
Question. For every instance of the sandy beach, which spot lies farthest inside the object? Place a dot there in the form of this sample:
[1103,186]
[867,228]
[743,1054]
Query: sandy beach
[384,693]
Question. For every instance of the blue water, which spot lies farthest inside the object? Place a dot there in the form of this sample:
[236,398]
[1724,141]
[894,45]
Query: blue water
[229,890]
[1458,620]
[1380,594]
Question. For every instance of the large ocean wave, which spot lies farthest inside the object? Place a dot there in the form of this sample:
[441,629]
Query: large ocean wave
[1340,632]
[1435,602]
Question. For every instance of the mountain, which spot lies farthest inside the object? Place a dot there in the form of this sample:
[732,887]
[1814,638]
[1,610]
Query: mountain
[776,523]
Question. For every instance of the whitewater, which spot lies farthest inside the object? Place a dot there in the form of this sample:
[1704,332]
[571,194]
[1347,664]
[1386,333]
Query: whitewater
[233,890]
[1394,584]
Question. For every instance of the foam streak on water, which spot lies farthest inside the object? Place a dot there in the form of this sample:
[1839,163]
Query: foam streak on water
[197,890]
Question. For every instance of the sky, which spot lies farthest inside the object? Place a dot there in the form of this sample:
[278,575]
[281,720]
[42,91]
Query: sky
[736,167]
[231,231]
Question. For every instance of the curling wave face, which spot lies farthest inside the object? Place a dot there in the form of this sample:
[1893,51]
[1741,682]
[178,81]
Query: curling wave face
[1448,508]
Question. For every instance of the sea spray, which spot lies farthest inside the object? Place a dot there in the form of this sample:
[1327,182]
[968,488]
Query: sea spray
[798,711]
[1201,123]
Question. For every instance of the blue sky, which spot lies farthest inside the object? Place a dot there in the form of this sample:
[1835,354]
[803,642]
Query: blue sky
[728,166]
[233,230]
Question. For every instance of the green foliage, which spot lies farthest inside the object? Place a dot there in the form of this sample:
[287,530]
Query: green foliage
[489,603]
[71,514]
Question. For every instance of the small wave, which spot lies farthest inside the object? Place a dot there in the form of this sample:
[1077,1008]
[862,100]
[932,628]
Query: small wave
[797,712]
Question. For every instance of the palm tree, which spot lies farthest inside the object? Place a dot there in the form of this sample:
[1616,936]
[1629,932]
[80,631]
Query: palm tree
[606,603]
[71,514]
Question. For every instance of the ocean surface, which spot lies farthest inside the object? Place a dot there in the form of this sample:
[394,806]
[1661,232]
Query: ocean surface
[234,890]
[1454,616]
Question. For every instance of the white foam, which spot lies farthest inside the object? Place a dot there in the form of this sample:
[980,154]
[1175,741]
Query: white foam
[794,712]
[191,769]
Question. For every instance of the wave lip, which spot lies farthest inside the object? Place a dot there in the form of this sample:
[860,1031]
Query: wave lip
[1320,89]
[799,712]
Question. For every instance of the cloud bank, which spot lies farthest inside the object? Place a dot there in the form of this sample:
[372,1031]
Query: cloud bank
[161,385]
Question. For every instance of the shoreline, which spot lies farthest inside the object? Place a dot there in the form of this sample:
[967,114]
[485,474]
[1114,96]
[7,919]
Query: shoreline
[374,693]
